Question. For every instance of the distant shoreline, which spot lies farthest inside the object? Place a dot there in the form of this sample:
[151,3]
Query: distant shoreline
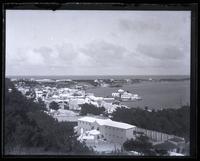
[93,77]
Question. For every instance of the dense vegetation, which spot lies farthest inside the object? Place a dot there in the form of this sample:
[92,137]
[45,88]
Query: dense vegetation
[27,126]
[171,121]
[91,82]
[54,105]
[28,83]
[91,109]
[141,144]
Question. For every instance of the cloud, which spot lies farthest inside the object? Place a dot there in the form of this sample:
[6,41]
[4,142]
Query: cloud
[96,57]
[159,51]
[104,53]
[33,58]
[135,42]
[45,58]
[45,51]
[57,56]
[66,52]
[25,57]
[139,25]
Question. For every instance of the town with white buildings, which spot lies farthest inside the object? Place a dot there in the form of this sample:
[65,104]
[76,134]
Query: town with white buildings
[98,132]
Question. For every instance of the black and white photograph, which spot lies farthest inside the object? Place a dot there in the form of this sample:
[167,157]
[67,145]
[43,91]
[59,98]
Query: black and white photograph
[97,82]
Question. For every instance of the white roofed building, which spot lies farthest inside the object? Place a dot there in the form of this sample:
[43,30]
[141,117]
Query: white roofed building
[121,91]
[55,96]
[74,104]
[115,94]
[110,108]
[45,80]
[111,131]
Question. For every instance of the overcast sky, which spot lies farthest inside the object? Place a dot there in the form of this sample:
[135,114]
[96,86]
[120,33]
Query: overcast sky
[97,42]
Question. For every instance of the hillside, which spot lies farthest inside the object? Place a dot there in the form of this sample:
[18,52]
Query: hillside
[28,130]
[170,121]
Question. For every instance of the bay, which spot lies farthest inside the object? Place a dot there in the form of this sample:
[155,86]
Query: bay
[155,95]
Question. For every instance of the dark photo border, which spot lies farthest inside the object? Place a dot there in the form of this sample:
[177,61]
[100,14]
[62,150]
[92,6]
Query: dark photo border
[60,5]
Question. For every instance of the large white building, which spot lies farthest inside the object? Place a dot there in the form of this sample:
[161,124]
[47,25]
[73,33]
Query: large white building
[117,132]
[111,131]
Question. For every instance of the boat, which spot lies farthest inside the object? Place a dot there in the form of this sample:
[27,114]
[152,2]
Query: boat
[126,96]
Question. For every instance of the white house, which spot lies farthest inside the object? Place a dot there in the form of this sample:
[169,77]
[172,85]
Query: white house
[74,104]
[111,131]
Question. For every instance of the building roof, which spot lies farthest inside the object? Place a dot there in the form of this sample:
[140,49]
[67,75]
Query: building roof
[120,90]
[45,80]
[77,101]
[176,139]
[95,98]
[89,137]
[64,95]
[120,125]
[88,119]
[175,154]
[55,96]
[107,122]
[94,132]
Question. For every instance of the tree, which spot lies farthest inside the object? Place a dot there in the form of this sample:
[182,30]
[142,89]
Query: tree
[91,109]
[66,107]
[141,144]
[42,104]
[170,121]
[53,105]
[28,127]
[161,152]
